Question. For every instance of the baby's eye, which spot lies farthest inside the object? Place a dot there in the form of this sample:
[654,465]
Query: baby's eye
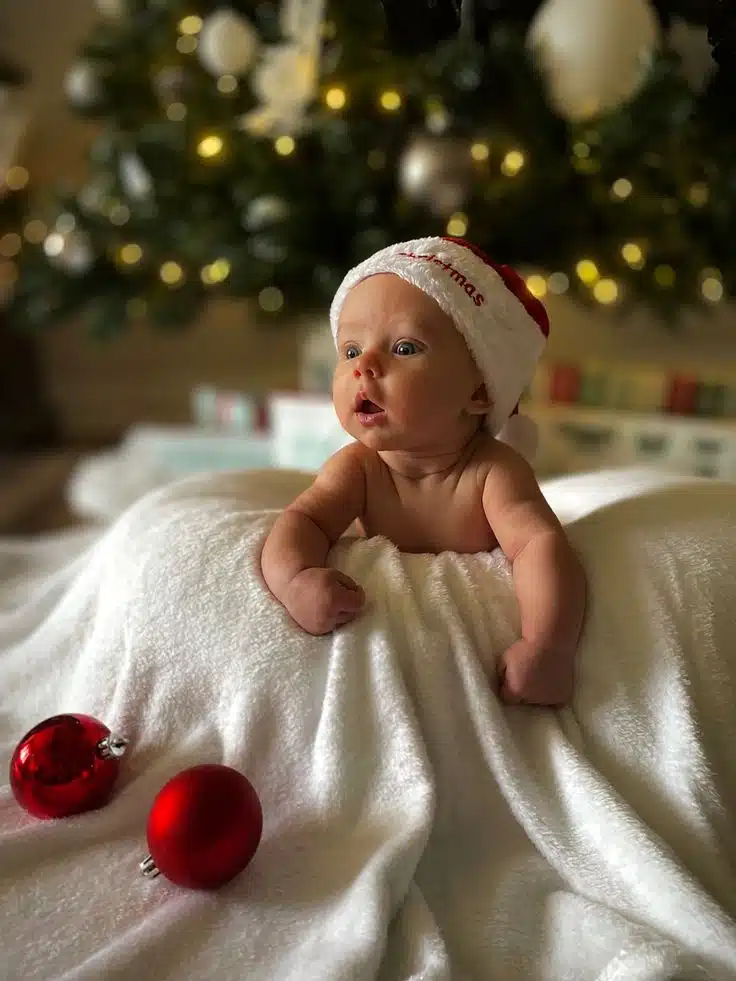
[351,351]
[406,348]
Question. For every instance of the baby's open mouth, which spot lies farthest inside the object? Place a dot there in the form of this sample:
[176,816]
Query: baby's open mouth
[366,406]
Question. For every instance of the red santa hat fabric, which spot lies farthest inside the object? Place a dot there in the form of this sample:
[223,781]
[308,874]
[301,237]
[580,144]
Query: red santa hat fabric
[504,326]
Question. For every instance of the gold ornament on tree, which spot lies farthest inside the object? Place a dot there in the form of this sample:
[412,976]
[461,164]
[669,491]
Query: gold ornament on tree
[595,54]
[437,172]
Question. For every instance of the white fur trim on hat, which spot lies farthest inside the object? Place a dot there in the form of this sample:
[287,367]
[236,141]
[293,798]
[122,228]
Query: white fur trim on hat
[503,338]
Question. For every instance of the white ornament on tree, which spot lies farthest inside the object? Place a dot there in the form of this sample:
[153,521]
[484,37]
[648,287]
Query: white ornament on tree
[284,82]
[134,177]
[82,84]
[595,54]
[228,44]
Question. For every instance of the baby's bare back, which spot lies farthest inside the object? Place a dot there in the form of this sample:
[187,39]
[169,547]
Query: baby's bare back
[439,513]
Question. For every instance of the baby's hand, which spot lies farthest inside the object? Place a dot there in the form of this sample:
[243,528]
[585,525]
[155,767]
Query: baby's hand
[322,599]
[533,676]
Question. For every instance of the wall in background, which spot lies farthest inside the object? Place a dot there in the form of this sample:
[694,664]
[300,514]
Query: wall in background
[99,390]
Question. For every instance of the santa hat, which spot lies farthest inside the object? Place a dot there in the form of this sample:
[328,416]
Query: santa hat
[504,326]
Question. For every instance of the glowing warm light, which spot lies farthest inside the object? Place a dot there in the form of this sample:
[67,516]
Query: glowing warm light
[480,151]
[558,283]
[66,223]
[16,178]
[227,84]
[35,231]
[633,255]
[390,100]
[457,225]
[210,146]
[606,291]
[587,271]
[698,195]
[119,214]
[10,245]
[512,163]
[665,276]
[438,118]
[171,273]
[712,289]
[581,150]
[622,188]
[285,145]
[191,25]
[335,98]
[215,272]
[176,112]
[271,299]
[186,44]
[131,253]
[537,286]
[53,244]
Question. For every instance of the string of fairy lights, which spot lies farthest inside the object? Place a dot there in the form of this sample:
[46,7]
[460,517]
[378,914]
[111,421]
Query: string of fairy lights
[212,147]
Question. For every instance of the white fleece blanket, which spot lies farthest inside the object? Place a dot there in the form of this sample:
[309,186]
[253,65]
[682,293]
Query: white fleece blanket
[415,829]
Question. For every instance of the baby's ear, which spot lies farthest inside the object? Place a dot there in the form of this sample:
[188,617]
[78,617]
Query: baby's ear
[480,401]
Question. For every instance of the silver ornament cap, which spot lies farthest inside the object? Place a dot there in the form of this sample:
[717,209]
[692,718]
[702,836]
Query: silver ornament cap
[149,869]
[112,747]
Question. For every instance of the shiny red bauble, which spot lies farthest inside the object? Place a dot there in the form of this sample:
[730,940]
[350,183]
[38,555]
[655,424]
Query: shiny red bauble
[65,765]
[203,828]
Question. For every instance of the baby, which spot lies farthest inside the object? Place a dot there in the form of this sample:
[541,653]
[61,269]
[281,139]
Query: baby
[436,344]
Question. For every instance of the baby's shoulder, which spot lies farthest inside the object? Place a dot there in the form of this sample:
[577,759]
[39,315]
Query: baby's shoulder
[494,459]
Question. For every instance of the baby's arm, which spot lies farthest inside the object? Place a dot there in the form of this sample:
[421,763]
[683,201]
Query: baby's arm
[295,551]
[549,580]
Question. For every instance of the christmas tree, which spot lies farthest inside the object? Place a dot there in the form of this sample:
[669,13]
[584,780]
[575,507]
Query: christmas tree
[13,178]
[260,150]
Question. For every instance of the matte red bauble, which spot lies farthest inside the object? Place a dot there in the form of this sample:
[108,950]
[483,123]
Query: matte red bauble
[203,828]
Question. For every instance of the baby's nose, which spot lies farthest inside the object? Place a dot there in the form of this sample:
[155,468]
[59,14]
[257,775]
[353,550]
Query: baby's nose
[367,364]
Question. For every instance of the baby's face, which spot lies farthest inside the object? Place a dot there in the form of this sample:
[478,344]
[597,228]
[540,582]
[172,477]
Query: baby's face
[404,379]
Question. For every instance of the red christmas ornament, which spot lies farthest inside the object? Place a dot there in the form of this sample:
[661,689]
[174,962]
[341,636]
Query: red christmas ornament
[65,765]
[204,827]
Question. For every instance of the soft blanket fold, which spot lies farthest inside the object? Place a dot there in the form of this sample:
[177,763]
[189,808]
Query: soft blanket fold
[415,829]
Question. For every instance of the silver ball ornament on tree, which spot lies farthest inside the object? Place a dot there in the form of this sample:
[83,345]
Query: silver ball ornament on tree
[228,44]
[83,84]
[264,212]
[437,172]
